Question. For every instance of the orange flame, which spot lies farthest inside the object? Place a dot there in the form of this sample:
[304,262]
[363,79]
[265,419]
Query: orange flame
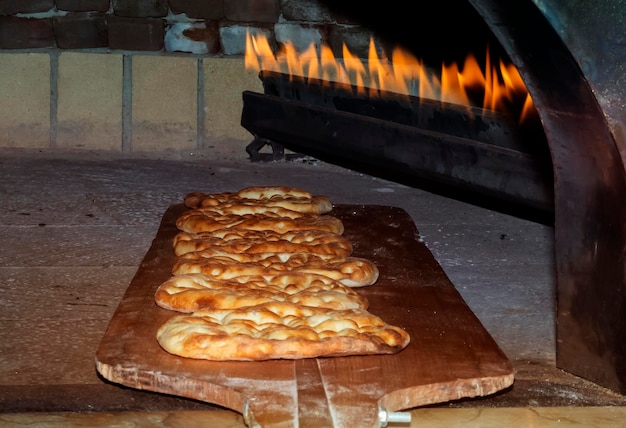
[402,74]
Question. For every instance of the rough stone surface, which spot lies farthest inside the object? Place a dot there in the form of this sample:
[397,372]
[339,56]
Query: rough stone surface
[356,39]
[83,5]
[299,36]
[196,38]
[25,33]
[205,9]
[233,37]
[11,7]
[95,214]
[140,8]
[136,34]
[104,213]
[80,31]
[305,11]
[143,25]
[265,11]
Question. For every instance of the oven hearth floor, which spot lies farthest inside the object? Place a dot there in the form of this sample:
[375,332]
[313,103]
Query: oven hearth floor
[76,225]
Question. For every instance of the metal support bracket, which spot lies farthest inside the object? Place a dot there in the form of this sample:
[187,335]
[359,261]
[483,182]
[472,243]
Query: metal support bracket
[254,148]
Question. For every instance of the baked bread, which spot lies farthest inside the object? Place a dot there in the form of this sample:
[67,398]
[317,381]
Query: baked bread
[197,221]
[265,259]
[351,271]
[194,292]
[264,241]
[263,274]
[270,196]
[252,209]
[279,330]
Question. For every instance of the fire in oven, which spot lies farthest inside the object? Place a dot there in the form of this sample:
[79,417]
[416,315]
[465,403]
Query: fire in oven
[526,121]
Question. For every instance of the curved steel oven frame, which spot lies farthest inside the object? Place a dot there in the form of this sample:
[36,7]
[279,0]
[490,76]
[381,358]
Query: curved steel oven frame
[571,56]
[574,72]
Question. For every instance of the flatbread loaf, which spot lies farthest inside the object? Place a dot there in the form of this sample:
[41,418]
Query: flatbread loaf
[266,259]
[265,273]
[351,271]
[271,196]
[195,292]
[279,330]
[197,220]
[236,240]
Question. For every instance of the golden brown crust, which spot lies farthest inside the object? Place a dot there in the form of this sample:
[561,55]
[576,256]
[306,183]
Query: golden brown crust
[264,241]
[261,274]
[243,210]
[350,271]
[197,221]
[267,197]
[194,292]
[279,330]
[271,192]
[265,259]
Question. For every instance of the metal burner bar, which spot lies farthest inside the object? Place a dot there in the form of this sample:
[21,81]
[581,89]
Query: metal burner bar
[477,124]
[465,169]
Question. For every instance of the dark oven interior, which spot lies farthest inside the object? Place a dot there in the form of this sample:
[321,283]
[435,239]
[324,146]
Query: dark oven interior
[567,168]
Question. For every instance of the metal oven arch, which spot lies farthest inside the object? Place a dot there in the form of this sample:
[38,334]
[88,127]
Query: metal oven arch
[587,139]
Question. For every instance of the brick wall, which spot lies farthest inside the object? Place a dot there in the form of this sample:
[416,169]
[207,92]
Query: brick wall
[144,75]
[207,27]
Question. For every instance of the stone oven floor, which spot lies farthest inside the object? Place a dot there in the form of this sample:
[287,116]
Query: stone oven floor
[76,225]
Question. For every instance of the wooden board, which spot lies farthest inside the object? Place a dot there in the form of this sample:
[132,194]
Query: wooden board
[450,356]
